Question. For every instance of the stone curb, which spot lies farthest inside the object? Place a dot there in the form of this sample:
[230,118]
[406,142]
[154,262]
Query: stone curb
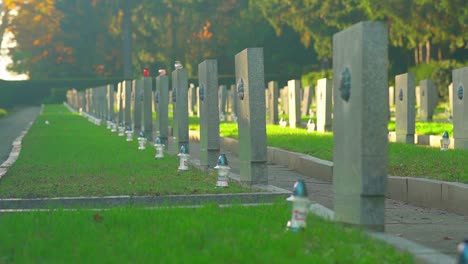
[164,200]
[16,149]
[421,254]
[449,196]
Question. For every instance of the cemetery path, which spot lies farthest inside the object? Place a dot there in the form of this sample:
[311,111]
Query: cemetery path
[12,125]
[436,229]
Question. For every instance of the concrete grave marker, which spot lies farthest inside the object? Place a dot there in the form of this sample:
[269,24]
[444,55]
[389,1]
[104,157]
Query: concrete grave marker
[405,108]
[209,123]
[306,100]
[137,101]
[294,96]
[460,108]
[180,118]
[426,109]
[110,102]
[273,102]
[147,125]
[162,105]
[360,136]
[450,92]
[126,102]
[250,86]
[222,99]
[324,105]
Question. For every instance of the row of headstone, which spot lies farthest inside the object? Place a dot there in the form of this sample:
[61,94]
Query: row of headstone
[360,92]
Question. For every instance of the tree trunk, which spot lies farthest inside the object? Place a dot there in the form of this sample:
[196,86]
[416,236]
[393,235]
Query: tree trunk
[428,51]
[416,58]
[420,50]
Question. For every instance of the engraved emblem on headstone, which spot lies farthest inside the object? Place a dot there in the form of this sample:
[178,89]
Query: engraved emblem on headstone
[201,92]
[345,84]
[423,93]
[460,91]
[240,89]
[400,95]
[156,99]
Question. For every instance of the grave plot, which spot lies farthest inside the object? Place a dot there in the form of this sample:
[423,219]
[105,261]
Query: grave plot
[64,155]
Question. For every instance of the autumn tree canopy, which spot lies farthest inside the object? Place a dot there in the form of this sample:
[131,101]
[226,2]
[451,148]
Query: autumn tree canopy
[83,39]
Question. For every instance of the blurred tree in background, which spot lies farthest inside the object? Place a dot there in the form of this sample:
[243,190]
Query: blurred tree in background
[83,39]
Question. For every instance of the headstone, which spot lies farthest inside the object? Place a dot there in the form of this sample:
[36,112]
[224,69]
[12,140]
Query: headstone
[147,125]
[306,101]
[284,100]
[222,97]
[137,101]
[209,123]
[110,102]
[450,92]
[250,84]
[162,105]
[120,102]
[294,96]
[273,102]
[104,109]
[127,93]
[418,95]
[191,99]
[324,105]
[235,103]
[426,109]
[360,136]
[391,96]
[198,101]
[405,112]
[180,123]
[460,108]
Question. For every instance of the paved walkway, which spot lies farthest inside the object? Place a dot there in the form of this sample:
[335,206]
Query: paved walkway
[432,228]
[12,125]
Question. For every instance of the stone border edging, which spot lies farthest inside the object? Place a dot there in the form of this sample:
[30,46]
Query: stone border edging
[449,196]
[421,254]
[16,149]
[164,200]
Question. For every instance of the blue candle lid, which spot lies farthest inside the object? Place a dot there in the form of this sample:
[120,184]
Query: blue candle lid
[300,189]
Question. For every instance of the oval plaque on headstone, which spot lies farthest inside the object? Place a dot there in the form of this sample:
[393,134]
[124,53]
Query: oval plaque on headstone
[400,95]
[201,92]
[422,93]
[460,91]
[240,89]
[156,97]
[345,84]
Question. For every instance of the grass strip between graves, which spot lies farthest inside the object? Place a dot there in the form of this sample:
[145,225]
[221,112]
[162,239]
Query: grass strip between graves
[403,159]
[69,156]
[209,234]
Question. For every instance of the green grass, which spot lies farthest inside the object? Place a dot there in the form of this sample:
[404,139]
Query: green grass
[403,159]
[72,157]
[428,128]
[184,235]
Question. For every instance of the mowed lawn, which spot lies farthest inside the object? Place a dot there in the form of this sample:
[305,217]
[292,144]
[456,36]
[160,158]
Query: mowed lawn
[70,156]
[403,159]
[210,234]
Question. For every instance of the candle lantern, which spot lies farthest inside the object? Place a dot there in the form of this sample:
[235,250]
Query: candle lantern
[142,141]
[183,156]
[300,207]
[223,171]
[159,148]
[444,141]
[129,133]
